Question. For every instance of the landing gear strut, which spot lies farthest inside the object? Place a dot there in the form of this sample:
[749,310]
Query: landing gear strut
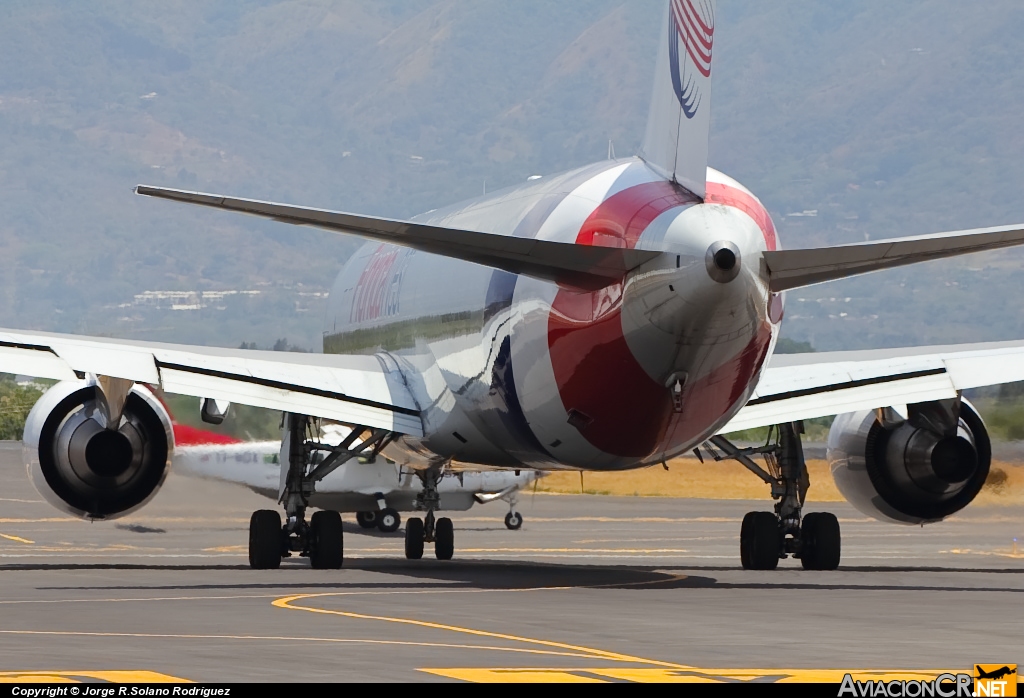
[303,465]
[418,531]
[767,537]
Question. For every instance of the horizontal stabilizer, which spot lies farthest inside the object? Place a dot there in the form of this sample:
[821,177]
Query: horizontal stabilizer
[582,266]
[796,268]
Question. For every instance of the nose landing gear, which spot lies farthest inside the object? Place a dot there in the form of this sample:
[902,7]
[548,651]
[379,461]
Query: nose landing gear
[513,520]
[386,519]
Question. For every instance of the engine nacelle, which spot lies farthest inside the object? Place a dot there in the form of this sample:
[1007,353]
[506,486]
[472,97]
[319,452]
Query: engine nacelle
[916,470]
[85,469]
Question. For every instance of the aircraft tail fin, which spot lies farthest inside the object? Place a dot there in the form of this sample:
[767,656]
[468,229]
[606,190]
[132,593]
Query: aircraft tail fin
[676,143]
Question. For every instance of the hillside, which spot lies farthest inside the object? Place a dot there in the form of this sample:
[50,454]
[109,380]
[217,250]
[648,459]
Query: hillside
[883,118]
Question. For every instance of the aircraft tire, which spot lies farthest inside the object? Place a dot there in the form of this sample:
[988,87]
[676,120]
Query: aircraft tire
[444,539]
[366,519]
[388,520]
[326,541]
[744,535]
[760,541]
[414,538]
[265,540]
[513,521]
[820,542]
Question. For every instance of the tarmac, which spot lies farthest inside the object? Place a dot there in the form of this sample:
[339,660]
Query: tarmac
[592,589]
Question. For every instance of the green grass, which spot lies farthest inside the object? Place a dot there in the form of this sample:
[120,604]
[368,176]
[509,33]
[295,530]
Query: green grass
[16,402]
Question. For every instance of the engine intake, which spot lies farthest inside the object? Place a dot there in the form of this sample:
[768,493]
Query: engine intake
[82,467]
[915,470]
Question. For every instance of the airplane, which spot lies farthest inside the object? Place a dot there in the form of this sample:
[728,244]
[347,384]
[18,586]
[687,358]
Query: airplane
[376,492]
[996,674]
[604,319]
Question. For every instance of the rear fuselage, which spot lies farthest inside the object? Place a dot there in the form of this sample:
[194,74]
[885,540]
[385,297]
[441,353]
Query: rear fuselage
[509,370]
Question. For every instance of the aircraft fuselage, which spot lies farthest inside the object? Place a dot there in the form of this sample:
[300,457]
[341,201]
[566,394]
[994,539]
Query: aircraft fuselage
[511,370]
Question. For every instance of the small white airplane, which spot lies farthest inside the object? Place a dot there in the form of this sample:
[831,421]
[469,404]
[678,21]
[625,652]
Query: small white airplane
[376,492]
[608,319]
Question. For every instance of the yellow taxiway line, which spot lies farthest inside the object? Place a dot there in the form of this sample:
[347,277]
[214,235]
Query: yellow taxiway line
[291,603]
[691,675]
[17,539]
[78,676]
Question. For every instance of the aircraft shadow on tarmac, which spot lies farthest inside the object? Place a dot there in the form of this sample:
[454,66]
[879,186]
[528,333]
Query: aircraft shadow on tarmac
[426,573]
[471,574]
[352,529]
[874,569]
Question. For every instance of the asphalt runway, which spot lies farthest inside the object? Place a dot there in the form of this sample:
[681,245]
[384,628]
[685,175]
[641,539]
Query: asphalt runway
[591,589]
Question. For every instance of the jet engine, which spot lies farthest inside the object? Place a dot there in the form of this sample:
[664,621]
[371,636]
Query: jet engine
[81,465]
[911,469]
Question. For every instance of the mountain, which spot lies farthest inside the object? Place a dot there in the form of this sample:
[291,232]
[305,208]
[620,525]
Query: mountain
[849,120]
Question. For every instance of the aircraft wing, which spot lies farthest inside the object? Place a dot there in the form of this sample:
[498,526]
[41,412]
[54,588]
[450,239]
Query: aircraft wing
[806,386]
[582,266]
[361,390]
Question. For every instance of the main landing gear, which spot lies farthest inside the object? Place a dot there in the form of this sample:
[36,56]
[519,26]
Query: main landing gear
[767,537]
[321,539]
[419,531]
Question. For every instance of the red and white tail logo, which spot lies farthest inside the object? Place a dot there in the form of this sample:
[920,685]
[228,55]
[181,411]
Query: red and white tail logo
[676,143]
[691,43]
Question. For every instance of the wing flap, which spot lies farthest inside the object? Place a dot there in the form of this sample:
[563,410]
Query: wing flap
[839,399]
[38,362]
[236,389]
[789,269]
[352,389]
[106,360]
[582,266]
[807,386]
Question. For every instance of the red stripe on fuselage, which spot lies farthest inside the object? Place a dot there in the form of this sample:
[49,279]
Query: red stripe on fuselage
[626,412]
[708,398]
[726,195]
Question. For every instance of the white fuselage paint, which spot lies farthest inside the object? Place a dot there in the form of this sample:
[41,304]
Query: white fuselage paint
[513,371]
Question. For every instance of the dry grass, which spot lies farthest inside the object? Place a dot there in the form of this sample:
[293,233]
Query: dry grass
[686,477]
